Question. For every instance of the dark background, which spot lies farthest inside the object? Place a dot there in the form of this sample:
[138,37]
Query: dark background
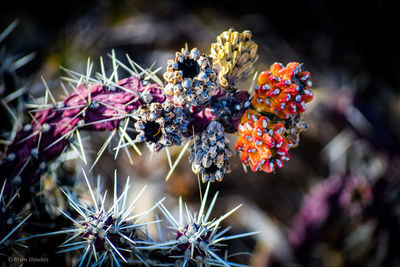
[358,36]
[350,47]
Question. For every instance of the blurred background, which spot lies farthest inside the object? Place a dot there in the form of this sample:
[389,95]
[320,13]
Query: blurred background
[351,50]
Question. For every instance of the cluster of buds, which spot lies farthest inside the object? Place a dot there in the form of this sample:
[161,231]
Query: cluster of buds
[205,86]
[195,98]
[267,132]
[272,122]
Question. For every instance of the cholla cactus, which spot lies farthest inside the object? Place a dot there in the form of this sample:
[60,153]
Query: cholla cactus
[197,103]
[283,91]
[161,125]
[167,115]
[235,54]
[105,234]
[197,239]
[191,78]
[210,153]
[191,104]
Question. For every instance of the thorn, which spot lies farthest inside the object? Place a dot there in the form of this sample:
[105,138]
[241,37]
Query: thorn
[177,160]
[168,157]
[115,66]
[82,150]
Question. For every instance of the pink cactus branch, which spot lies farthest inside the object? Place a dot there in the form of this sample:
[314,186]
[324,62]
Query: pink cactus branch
[97,108]
[93,108]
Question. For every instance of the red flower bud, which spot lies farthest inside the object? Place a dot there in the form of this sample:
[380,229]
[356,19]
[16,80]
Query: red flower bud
[262,143]
[283,91]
